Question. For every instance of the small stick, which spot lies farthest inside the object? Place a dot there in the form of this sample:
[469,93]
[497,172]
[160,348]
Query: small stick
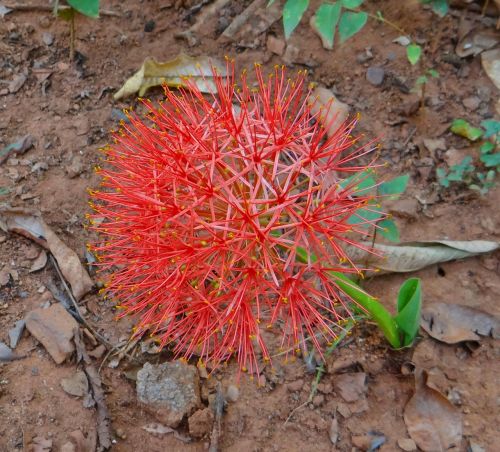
[218,410]
[48,8]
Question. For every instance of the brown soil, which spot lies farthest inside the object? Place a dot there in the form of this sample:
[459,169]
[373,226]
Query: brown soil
[70,117]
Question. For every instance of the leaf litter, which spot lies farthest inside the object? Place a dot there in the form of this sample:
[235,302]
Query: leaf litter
[31,225]
[179,72]
[453,323]
[433,422]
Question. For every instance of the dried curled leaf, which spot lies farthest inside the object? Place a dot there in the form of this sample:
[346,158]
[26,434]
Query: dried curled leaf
[31,225]
[173,73]
[412,256]
[452,323]
[431,419]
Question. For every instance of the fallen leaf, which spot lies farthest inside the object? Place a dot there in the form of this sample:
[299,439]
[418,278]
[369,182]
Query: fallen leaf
[431,419]
[18,147]
[331,111]
[452,323]
[77,385]
[491,65]
[31,225]
[412,256]
[476,41]
[39,262]
[173,73]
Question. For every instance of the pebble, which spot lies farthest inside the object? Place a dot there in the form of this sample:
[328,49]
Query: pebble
[295,385]
[170,391]
[16,332]
[149,26]
[276,45]
[16,84]
[76,167]
[232,393]
[200,423]
[407,444]
[54,328]
[472,103]
[77,385]
[120,433]
[98,352]
[47,38]
[375,75]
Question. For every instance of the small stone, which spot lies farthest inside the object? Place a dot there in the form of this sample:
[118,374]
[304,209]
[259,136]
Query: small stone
[98,352]
[149,26]
[47,38]
[351,386]
[407,444]
[365,56]
[77,385]
[333,431]
[76,167]
[344,410]
[291,54]
[474,447]
[200,423]
[295,385]
[435,144]
[325,388]
[403,208]
[68,447]
[472,103]
[120,433]
[16,84]
[54,328]
[318,400]
[169,390]
[4,277]
[232,393]
[44,21]
[276,45]
[375,75]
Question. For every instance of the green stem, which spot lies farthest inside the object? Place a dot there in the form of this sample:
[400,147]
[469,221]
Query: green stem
[375,309]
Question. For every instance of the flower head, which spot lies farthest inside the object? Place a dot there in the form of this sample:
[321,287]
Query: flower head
[218,219]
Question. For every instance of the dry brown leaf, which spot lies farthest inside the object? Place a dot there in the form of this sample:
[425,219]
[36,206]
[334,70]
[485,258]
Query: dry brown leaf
[39,262]
[476,41]
[412,256]
[452,323]
[332,112]
[491,65]
[30,224]
[173,73]
[431,419]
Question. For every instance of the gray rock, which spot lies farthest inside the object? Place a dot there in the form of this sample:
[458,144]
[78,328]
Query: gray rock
[232,393]
[76,167]
[54,328]
[407,444]
[472,103]
[375,75]
[77,385]
[16,332]
[170,391]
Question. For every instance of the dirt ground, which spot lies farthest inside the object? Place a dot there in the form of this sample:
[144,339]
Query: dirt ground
[69,110]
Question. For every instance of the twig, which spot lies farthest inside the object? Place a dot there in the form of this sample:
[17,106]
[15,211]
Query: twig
[190,34]
[80,318]
[48,8]
[218,410]
[103,418]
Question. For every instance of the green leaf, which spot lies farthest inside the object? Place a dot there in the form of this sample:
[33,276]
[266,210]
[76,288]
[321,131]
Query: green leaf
[433,73]
[389,230]
[409,309]
[442,179]
[440,7]
[292,14]
[421,80]
[89,8]
[326,19]
[487,147]
[362,182]
[413,52]
[395,186]
[350,23]
[365,216]
[4,191]
[491,127]
[351,4]
[490,160]
[462,128]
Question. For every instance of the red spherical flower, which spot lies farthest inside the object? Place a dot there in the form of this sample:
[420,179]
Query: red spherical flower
[208,207]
